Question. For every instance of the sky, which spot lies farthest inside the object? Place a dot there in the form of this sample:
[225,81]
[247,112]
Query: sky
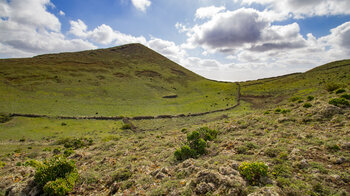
[227,40]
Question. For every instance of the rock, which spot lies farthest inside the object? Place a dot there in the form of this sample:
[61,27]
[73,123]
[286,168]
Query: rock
[203,188]
[114,188]
[340,160]
[208,177]
[227,171]
[285,119]
[303,164]
[28,188]
[235,165]
[266,191]
[329,111]
[160,175]
[346,146]
[187,163]
[165,170]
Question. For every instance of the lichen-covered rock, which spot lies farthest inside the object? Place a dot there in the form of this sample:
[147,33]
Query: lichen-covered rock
[203,188]
[228,171]
[266,191]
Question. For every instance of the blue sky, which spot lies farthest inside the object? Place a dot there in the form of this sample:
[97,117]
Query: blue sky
[231,40]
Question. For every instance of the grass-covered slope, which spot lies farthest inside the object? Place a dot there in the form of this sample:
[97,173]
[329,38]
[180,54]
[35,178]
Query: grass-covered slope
[274,90]
[128,80]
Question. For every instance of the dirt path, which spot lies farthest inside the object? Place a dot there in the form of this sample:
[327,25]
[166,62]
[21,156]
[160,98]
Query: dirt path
[132,118]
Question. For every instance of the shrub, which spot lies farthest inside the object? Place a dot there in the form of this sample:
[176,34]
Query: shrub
[121,175]
[196,143]
[56,176]
[332,87]
[285,111]
[2,164]
[307,105]
[346,96]
[126,126]
[294,99]
[267,112]
[310,98]
[4,118]
[68,152]
[339,102]
[253,172]
[74,143]
[332,147]
[278,110]
[340,91]
[272,152]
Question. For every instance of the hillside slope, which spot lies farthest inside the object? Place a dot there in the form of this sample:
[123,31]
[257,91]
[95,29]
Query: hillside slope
[126,80]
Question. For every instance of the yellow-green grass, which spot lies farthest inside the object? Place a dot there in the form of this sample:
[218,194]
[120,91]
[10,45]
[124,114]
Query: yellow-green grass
[129,80]
[312,82]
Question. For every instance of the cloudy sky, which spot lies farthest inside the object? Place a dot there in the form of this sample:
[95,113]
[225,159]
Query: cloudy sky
[231,40]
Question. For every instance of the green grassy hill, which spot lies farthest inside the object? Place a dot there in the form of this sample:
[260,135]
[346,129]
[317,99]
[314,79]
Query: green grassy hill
[129,80]
[313,82]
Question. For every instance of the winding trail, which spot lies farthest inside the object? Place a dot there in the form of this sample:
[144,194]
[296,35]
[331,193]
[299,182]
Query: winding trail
[132,118]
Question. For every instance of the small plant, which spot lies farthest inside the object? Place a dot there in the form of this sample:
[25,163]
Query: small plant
[307,105]
[56,176]
[2,164]
[294,99]
[339,102]
[253,172]
[196,143]
[285,111]
[330,87]
[332,147]
[68,152]
[310,98]
[121,175]
[267,112]
[272,152]
[346,96]
[4,118]
[339,91]
[278,110]
[126,126]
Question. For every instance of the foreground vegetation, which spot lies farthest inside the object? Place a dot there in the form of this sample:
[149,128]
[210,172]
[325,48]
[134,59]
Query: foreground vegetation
[289,136]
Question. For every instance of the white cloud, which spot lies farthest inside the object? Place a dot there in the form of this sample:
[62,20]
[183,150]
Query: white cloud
[208,12]
[61,13]
[244,28]
[27,28]
[103,34]
[305,8]
[141,4]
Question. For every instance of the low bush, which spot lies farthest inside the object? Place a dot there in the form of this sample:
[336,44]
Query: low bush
[330,87]
[339,91]
[126,126]
[196,143]
[294,99]
[339,102]
[4,118]
[253,172]
[74,143]
[346,96]
[310,98]
[307,105]
[121,175]
[56,176]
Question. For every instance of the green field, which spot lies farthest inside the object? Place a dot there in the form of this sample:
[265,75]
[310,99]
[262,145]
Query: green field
[286,123]
[129,80]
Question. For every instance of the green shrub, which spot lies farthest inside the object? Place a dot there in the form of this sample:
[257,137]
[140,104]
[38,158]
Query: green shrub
[2,164]
[68,152]
[294,99]
[56,176]
[196,143]
[346,96]
[126,126]
[332,147]
[285,111]
[310,98]
[33,163]
[267,112]
[121,175]
[340,91]
[307,105]
[332,87]
[278,110]
[272,152]
[74,143]
[253,172]
[185,152]
[339,102]
[4,118]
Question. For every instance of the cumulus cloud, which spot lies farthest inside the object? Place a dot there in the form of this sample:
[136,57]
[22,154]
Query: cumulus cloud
[27,28]
[61,13]
[208,12]
[103,34]
[141,4]
[245,28]
[305,8]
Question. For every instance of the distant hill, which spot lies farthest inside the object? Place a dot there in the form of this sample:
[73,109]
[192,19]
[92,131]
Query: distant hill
[125,80]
